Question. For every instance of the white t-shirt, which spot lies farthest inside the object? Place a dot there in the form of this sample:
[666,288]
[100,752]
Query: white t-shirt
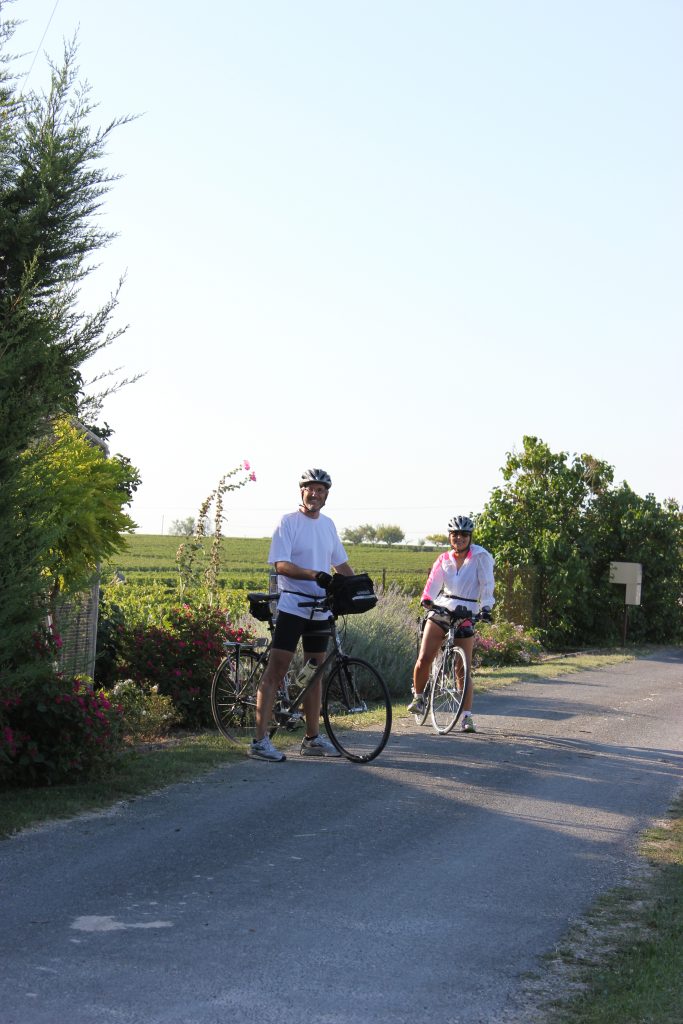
[312,544]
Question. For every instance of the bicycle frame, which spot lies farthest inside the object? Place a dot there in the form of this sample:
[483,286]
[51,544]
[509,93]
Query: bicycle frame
[289,706]
[355,705]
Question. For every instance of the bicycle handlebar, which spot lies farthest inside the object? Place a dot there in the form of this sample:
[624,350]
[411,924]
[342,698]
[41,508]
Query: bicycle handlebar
[458,614]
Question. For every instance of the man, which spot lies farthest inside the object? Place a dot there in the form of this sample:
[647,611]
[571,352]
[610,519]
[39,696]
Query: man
[305,546]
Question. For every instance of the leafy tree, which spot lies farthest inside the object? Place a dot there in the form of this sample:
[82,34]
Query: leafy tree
[183,527]
[439,539]
[556,525]
[81,496]
[623,527]
[389,534]
[364,534]
[534,523]
[51,185]
[353,536]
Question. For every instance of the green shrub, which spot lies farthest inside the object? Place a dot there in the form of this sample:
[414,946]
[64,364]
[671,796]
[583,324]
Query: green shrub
[179,658]
[58,732]
[147,714]
[386,637]
[503,643]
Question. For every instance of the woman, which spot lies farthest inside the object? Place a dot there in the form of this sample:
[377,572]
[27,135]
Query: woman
[461,576]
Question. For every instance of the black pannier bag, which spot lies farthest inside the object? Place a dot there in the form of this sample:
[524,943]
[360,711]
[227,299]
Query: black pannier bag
[352,595]
[261,606]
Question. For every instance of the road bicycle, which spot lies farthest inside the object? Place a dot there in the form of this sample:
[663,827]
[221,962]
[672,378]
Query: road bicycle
[450,677]
[356,706]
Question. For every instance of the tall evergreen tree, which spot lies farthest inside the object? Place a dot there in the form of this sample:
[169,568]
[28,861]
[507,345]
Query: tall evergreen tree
[51,185]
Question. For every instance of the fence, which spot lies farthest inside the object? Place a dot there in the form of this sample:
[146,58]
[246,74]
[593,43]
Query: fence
[76,621]
[76,615]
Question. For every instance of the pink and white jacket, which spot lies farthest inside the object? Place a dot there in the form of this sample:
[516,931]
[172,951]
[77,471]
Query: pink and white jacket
[471,585]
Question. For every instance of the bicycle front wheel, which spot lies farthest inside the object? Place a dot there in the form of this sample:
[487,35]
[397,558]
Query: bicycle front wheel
[233,697]
[449,690]
[357,710]
[421,716]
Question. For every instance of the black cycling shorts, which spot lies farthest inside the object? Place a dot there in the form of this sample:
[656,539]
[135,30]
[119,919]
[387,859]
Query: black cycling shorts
[289,629]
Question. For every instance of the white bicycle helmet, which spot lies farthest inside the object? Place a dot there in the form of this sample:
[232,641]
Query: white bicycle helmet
[462,523]
[315,476]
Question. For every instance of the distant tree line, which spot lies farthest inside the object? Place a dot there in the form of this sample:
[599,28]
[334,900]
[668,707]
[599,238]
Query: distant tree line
[367,534]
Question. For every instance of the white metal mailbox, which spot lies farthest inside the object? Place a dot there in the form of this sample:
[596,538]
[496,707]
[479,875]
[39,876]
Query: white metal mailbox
[630,574]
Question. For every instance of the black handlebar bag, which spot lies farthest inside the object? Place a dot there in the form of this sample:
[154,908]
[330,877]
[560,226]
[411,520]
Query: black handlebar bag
[352,595]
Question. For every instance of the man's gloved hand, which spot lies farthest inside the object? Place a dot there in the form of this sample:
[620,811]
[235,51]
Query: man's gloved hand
[427,603]
[485,614]
[323,579]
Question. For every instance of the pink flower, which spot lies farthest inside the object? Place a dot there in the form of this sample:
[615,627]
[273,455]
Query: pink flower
[252,476]
[246,464]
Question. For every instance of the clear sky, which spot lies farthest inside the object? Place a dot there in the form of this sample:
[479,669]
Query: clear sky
[387,238]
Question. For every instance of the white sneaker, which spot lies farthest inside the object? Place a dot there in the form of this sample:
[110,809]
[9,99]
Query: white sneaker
[417,705]
[318,747]
[265,751]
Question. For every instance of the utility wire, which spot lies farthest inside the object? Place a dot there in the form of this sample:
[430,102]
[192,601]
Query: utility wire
[35,55]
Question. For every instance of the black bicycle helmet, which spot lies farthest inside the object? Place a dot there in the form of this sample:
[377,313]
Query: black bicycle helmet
[315,476]
[462,523]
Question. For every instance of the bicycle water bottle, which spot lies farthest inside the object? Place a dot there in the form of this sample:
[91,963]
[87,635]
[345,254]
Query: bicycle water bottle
[299,684]
[306,674]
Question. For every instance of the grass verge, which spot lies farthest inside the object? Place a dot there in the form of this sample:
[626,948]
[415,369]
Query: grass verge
[624,963]
[550,668]
[136,771]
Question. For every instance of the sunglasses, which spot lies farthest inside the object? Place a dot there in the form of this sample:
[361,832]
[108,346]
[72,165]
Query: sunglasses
[460,533]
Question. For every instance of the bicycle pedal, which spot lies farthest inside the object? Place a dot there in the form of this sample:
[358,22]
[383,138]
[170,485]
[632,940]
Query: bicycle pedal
[294,724]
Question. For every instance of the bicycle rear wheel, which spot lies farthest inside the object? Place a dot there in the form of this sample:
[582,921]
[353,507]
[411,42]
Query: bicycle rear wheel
[449,689]
[357,710]
[233,702]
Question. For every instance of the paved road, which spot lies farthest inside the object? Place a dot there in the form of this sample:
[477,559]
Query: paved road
[417,890]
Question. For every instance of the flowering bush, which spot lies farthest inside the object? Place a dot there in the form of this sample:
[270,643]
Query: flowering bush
[58,732]
[503,643]
[180,657]
[147,714]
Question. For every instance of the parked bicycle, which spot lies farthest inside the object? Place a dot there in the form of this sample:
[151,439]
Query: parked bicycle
[450,677]
[356,706]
